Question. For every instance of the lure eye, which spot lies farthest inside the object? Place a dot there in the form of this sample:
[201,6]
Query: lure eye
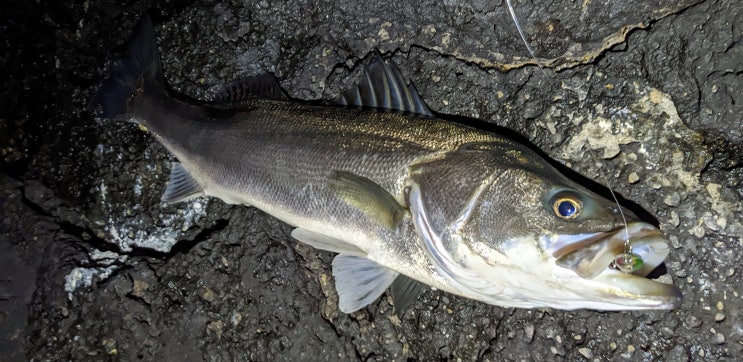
[566,208]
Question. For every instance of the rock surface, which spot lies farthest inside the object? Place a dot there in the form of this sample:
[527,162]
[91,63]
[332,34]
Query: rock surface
[647,96]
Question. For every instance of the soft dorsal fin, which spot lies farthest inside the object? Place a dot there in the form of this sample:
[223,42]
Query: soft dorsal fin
[263,86]
[382,86]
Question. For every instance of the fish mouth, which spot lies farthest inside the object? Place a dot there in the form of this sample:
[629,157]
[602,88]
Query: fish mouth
[622,258]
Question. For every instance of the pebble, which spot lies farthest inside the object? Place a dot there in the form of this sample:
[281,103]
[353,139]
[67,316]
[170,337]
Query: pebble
[675,220]
[586,352]
[613,346]
[709,221]
[633,178]
[109,344]
[722,222]
[216,328]
[208,295]
[235,318]
[719,317]
[697,231]
[529,332]
[667,332]
[673,199]
[720,306]
[139,288]
[719,338]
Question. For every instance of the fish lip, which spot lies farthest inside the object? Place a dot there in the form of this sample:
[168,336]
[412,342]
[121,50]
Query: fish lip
[590,256]
[644,293]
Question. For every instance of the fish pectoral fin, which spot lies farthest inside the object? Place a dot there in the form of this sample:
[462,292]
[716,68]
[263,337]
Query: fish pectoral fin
[383,87]
[405,291]
[359,281]
[182,186]
[327,243]
[367,196]
[240,90]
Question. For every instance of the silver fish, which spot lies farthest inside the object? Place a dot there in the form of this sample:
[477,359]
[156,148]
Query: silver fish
[405,198]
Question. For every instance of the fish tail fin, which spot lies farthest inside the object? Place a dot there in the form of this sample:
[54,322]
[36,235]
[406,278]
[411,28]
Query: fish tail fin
[141,70]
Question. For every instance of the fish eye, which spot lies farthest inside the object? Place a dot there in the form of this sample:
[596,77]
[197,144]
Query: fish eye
[566,208]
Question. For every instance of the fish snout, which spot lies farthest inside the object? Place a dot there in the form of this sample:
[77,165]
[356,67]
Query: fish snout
[622,259]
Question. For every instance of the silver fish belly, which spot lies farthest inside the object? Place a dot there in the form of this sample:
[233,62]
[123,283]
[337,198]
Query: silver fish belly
[405,198]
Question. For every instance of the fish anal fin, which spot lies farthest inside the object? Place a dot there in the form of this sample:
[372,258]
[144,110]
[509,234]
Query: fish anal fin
[327,243]
[366,195]
[263,86]
[182,186]
[405,291]
[383,87]
[359,281]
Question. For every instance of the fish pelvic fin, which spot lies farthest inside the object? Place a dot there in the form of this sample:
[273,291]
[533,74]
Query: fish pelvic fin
[383,87]
[359,281]
[141,70]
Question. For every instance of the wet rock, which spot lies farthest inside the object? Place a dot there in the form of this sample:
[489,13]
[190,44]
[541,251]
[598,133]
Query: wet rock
[91,187]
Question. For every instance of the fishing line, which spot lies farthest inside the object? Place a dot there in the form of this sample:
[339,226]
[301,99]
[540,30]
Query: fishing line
[626,261]
[526,42]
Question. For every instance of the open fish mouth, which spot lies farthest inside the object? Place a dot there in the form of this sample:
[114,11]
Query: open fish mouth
[622,258]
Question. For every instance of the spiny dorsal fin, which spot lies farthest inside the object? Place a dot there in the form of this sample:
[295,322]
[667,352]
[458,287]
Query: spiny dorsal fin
[182,186]
[382,86]
[263,86]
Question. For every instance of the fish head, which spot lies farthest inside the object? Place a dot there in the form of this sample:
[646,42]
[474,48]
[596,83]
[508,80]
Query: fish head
[513,231]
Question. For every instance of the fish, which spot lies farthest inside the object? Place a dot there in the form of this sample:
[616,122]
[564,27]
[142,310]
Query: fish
[408,200]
